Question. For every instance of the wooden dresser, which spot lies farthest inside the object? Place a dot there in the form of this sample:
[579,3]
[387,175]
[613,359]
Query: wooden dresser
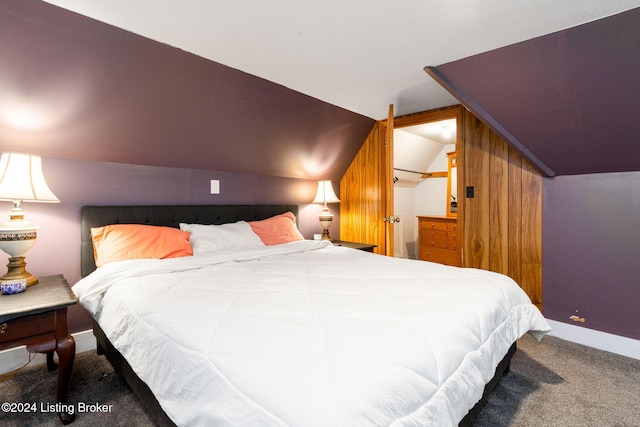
[438,240]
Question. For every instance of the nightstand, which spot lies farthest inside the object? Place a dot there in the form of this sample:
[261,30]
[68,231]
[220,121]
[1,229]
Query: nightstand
[367,247]
[37,318]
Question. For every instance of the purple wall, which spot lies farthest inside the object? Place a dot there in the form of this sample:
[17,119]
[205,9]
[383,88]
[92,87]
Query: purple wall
[567,100]
[140,122]
[98,93]
[591,239]
[79,183]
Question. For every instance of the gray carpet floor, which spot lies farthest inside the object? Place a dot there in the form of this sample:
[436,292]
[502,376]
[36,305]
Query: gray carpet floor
[559,383]
[551,383]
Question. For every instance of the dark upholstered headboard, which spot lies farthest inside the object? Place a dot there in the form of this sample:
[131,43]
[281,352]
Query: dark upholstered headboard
[170,216]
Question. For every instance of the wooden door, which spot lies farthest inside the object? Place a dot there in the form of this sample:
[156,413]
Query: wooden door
[387,184]
[361,207]
[366,191]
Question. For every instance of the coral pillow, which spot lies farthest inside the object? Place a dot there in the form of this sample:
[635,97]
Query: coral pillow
[277,229]
[120,242]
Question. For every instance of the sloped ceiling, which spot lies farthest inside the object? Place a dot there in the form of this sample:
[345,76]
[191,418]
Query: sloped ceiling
[417,147]
[360,55]
[75,88]
[282,88]
[569,100]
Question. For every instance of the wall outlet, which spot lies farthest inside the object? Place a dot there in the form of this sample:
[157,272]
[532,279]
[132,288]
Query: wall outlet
[215,186]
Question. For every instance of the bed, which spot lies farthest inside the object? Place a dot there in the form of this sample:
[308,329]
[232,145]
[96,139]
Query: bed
[296,333]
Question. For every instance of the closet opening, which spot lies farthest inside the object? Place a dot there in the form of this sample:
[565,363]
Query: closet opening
[425,162]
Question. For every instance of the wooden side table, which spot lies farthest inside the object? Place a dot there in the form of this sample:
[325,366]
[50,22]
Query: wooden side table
[37,318]
[367,247]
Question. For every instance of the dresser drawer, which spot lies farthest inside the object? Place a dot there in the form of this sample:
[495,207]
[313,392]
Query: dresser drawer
[438,240]
[27,326]
[434,238]
[443,256]
[426,225]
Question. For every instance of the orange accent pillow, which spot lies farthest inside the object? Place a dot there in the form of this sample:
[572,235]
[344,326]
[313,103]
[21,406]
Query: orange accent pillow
[120,242]
[277,229]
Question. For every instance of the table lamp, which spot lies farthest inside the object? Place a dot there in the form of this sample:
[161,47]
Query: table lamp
[21,180]
[325,195]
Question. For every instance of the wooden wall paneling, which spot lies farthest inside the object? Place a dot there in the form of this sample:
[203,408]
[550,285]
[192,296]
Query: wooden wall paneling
[498,204]
[503,222]
[515,215]
[476,220]
[532,233]
[360,195]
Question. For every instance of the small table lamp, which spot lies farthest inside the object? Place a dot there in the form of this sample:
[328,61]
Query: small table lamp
[21,180]
[325,195]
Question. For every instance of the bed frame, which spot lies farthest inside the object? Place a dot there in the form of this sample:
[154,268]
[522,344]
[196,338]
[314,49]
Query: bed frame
[172,216]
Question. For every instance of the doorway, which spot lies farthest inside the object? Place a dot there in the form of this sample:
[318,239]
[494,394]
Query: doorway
[426,177]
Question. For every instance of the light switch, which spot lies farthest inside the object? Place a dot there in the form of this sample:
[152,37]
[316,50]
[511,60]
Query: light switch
[470,192]
[215,186]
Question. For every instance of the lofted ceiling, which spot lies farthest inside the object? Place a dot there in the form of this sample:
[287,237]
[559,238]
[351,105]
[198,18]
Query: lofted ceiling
[75,88]
[360,55]
[420,148]
[568,101]
[285,87]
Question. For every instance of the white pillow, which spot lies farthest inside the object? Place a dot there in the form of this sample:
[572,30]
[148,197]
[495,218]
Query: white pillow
[205,238]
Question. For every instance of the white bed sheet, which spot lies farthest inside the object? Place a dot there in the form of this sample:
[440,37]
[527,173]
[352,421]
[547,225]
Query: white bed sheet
[308,334]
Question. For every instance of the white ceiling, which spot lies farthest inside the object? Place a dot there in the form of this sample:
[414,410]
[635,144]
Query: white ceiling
[421,148]
[442,131]
[361,55]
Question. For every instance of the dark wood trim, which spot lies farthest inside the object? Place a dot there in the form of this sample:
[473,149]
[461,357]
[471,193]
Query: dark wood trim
[483,115]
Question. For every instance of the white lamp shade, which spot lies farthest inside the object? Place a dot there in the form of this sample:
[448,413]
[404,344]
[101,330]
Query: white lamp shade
[21,179]
[325,193]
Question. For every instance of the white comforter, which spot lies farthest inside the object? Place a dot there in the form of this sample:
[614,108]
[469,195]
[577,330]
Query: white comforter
[308,334]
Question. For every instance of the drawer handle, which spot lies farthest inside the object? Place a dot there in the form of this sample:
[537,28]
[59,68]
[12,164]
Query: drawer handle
[3,328]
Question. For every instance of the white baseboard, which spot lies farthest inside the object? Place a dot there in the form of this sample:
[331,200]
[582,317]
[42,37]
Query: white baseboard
[601,340]
[16,358]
